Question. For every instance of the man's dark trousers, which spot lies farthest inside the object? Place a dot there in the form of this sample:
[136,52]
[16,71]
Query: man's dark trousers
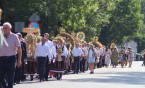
[41,66]
[47,69]
[7,71]
[76,64]
[82,64]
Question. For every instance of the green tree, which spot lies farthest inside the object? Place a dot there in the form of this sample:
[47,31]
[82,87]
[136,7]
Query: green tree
[99,18]
[140,35]
[120,18]
[73,15]
[125,22]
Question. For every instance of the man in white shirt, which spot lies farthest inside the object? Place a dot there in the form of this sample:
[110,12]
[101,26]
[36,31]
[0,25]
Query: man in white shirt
[50,44]
[77,53]
[41,53]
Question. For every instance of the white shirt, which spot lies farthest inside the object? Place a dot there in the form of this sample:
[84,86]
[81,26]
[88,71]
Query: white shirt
[98,52]
[86,51]
[130,55]
[65,51]
[101,51]
[42,50]
[77,51]
[108,54]
[53,52]
[50,44]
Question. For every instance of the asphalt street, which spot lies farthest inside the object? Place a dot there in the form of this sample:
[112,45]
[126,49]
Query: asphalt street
[102,78]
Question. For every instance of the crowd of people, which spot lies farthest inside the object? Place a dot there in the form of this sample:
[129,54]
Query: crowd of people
[55,58]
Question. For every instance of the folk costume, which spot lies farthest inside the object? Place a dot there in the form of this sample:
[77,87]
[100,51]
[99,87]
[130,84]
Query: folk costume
[122,57]
[61,57]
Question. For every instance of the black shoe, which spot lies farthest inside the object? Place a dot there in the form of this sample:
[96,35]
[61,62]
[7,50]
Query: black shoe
[41,80]
[46,79]
[31,79]
[18,82]
[91,72]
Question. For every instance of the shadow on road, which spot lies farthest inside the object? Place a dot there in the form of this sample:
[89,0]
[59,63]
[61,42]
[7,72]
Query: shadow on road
[134,78]
[35,81]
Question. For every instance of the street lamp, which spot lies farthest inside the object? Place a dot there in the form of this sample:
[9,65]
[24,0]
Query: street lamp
[0,15]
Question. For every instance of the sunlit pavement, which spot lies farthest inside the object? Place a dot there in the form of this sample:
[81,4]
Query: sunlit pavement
[102,78]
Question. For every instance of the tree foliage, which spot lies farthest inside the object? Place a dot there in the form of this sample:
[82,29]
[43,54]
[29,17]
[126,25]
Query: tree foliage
[125,22]
[110,19]
[73,15]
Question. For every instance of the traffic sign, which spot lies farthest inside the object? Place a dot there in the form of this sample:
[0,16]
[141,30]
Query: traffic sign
[34,18]
[34,25]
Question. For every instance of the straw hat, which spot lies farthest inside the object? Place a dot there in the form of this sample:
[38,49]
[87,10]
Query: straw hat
[60,38]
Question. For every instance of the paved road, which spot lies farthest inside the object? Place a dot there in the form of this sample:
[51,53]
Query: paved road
[102,78]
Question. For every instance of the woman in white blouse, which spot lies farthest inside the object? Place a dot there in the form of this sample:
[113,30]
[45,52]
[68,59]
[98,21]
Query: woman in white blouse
[91,58]
[108,54]
[130,55]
